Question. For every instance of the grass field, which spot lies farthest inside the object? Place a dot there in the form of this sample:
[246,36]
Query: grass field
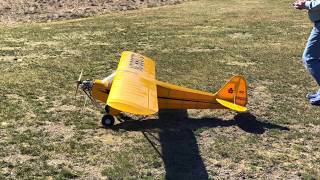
[46,133]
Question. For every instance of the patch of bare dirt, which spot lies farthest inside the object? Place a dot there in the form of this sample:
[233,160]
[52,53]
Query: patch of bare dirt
[261,98]
[44,10]
[240,35]
[17,158]
[59,129]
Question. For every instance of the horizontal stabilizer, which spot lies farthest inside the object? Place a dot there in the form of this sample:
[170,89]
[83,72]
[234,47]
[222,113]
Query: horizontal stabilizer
[232,105]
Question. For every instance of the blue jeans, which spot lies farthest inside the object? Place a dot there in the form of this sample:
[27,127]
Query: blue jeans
[311,54]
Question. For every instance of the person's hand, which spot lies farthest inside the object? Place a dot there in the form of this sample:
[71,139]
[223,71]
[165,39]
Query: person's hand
[300,4]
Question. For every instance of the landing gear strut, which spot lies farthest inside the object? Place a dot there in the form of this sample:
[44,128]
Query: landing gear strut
[107,109]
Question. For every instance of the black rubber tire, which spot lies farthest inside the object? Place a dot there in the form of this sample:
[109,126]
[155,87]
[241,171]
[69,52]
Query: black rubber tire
[107,120]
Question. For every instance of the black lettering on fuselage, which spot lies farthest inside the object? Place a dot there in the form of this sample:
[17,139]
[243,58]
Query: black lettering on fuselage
[136,62]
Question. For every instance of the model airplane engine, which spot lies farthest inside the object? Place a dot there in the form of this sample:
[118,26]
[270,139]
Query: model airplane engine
[86,85]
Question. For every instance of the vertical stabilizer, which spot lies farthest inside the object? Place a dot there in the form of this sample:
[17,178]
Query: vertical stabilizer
[234,94]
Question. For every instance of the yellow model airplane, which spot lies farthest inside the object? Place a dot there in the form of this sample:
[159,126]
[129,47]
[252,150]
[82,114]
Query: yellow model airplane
[134,89]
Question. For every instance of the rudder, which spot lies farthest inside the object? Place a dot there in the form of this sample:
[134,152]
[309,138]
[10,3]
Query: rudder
[234,94]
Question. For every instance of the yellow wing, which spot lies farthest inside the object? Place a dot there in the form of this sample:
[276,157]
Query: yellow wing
[134,89]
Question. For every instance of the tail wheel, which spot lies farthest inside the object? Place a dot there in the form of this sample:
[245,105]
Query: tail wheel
[107,120]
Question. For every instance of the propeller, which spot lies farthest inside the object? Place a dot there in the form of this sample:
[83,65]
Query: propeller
[85,101]
[78,83]
[86,87]
[92,100]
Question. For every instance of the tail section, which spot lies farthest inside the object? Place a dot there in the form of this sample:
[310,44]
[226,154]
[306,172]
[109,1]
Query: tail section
[234,94]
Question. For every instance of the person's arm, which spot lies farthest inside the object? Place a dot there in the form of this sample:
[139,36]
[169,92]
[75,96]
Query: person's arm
[312,5]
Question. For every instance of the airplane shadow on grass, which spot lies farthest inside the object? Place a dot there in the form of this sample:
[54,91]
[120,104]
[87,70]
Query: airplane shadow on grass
[177,141]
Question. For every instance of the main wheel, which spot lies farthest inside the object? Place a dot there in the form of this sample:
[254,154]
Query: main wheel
[107,120]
